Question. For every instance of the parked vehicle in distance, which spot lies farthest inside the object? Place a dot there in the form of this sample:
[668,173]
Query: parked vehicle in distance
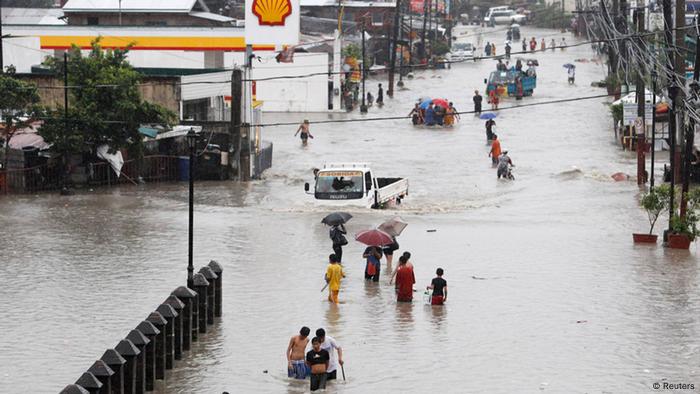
[503,15]
[353,184]
[460,51]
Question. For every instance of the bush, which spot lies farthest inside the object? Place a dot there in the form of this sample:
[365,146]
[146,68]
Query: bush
[655,202]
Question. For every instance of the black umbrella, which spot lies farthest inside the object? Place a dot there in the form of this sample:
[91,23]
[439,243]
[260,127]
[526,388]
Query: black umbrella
[336,218]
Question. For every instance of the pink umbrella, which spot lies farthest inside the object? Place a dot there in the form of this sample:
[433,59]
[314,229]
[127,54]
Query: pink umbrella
[441,102]
[374,237]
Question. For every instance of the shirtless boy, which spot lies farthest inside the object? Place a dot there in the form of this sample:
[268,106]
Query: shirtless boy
[305,133]
[296,368]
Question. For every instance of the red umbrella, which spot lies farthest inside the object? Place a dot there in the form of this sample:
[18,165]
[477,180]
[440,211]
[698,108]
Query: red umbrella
[441,102]
[374,237]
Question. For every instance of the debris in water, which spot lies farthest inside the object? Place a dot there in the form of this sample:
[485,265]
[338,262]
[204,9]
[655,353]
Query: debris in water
[265,371]
[581,321]
[477,278]
[432,231]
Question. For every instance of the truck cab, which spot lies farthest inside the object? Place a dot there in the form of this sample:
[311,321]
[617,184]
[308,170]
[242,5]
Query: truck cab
[353,184]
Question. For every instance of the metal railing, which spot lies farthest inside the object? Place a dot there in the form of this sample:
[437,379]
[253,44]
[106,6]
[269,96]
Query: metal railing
[263,160]
[152,169]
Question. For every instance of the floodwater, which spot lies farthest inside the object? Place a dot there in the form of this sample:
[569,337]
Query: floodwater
[547,293]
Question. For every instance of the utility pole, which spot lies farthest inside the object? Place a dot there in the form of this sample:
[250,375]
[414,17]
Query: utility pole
[236,99]
[426,7]
[2,64]
[680,70]
[641,102]
[400,83]
[410,40]
[612,56]
[392,55]
[690,129]
[673,89]
[363,106]
[64,159]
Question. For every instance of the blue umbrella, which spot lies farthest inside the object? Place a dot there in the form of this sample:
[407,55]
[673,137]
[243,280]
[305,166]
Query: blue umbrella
[487,115]
[426,103]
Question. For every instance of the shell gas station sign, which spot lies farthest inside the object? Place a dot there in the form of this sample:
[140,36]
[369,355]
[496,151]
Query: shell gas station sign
[272,22]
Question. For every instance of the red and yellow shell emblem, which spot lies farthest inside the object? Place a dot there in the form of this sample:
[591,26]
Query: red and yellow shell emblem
[272,12]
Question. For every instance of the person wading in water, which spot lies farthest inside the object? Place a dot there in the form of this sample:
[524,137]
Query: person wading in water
[305,133]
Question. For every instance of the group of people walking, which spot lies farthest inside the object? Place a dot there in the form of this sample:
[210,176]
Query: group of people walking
[319,362]
[434,115]
[543,44]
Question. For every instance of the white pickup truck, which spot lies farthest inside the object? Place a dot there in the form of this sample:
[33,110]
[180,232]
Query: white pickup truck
[352,184]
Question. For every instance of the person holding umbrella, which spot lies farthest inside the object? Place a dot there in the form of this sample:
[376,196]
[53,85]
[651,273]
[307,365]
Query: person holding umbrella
[392,227]
[375,239]
[337,232]
[373,254]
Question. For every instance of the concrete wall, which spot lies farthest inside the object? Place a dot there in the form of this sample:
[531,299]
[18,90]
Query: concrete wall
[569,5]
[164,91]
[22,53]
[309,94]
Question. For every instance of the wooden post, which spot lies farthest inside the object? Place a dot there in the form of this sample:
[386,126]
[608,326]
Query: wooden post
[169,313]
[179,307]
[129,352]
[140,341]
[218,270]
[200,286]
[103,373]
[187,297]
[149,331]
[116,362]
[211,277]
[89,382]
[159,322]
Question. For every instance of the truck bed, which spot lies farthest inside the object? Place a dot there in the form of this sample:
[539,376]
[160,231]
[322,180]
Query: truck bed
[390,188]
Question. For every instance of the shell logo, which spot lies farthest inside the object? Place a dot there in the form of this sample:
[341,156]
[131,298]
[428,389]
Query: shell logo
[272,12]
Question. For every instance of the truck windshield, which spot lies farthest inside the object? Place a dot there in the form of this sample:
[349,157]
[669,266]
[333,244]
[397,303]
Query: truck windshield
[339,185]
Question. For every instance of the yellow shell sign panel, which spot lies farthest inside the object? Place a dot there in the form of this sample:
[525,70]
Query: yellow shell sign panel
[272,22]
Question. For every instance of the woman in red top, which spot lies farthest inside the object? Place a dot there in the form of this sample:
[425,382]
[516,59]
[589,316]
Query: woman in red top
[404,280]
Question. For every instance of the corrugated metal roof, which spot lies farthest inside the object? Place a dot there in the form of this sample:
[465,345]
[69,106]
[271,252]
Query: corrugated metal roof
[174,6]
[32,16]
[212,17]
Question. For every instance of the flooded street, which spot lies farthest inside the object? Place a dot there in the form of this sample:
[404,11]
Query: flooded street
[546,290]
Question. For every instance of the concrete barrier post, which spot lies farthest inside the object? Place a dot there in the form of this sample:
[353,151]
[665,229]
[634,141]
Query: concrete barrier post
[169,314]
[216,267]
[127,350]
[150,331]
[211,277]
[200,286]
[140,341]
[103,373]
[89,382]
[179,307]
[159,321]
[74,389]
[186,296]
[116,362]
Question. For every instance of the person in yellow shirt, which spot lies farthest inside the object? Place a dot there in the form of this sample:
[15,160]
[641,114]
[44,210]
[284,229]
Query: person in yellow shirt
[334,274]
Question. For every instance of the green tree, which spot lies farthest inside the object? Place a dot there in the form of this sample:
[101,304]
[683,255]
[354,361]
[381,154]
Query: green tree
[105,105]
[18,103]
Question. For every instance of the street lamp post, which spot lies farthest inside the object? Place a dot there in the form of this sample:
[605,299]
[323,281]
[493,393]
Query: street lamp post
[673,92]
[654,77]
[192,144]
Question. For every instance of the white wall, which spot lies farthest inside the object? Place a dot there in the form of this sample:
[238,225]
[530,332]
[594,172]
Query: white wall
[23,53]
[309,94]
